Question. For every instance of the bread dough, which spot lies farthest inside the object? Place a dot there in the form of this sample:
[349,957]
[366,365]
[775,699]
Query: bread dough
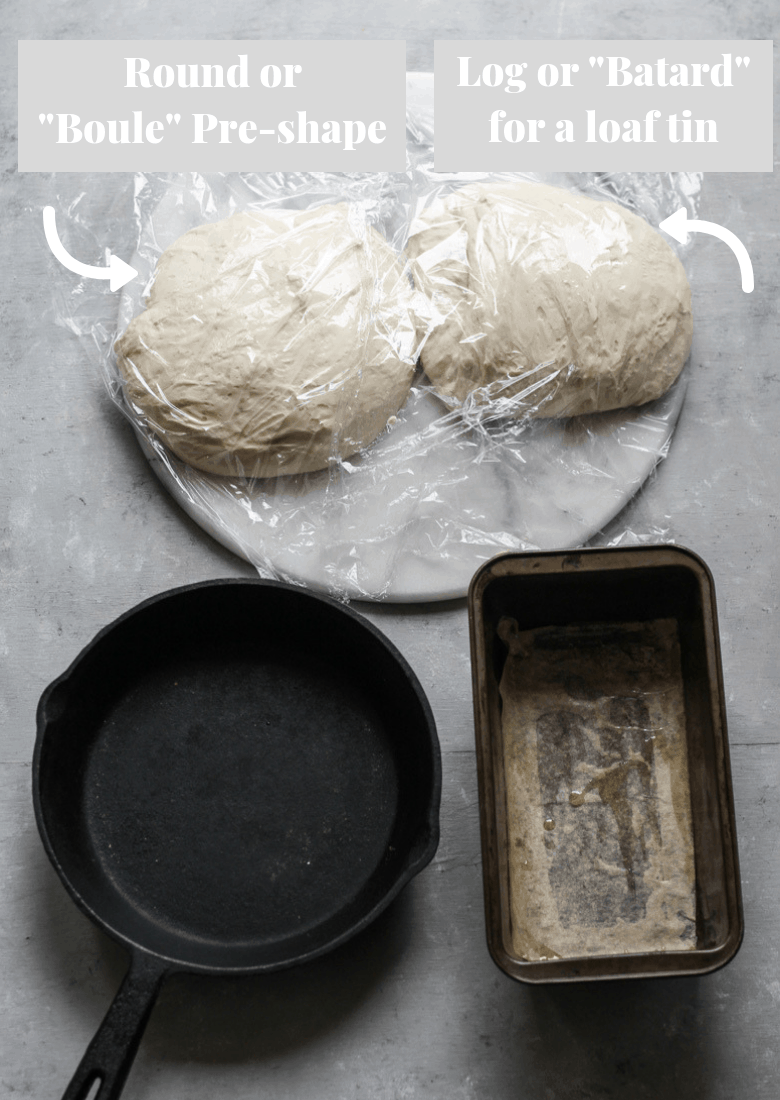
[555,303]
[272,342]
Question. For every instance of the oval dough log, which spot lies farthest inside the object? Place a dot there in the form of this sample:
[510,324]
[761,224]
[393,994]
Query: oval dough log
[272,343]
[552,303]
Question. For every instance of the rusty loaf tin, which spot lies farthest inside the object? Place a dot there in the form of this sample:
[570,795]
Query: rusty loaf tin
[608,835]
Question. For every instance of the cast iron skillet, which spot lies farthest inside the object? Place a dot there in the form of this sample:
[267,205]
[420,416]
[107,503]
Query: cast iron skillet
[232,778]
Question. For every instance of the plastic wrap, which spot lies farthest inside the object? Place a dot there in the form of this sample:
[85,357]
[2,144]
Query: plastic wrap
[410,514]
[274,341]
[546,303]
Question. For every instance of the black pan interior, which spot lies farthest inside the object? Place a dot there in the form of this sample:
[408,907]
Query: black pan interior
[238,775]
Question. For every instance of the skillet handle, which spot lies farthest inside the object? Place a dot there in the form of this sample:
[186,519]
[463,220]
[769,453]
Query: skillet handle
[110,1055]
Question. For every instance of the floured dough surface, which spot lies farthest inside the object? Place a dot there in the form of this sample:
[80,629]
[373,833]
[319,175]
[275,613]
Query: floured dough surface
[562,303]
[272,343]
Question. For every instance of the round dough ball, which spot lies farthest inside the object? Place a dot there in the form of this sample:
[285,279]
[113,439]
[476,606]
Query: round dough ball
[272,342]
[561,303]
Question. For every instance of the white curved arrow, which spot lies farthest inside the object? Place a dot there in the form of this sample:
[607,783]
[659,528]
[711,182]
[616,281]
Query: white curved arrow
[118,272]
[678,226]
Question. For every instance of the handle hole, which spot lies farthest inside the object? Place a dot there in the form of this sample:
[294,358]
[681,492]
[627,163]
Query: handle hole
[94,1089]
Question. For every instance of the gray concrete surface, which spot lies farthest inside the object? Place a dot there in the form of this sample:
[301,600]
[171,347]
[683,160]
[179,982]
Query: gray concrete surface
[414,1008]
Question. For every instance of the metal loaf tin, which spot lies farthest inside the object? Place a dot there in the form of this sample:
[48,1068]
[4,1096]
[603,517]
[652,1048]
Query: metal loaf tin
[637,584]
